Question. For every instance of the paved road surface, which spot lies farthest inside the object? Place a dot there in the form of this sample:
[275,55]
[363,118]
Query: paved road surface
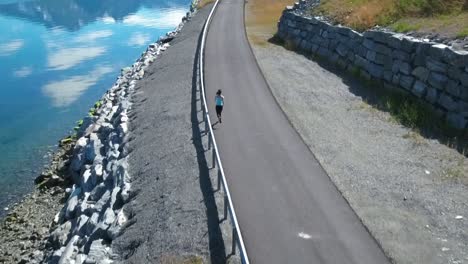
[289,211]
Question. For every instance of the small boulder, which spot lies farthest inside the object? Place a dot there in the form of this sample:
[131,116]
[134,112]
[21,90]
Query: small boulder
[97,252]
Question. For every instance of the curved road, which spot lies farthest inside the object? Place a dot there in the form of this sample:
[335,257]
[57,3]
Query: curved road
[288,209]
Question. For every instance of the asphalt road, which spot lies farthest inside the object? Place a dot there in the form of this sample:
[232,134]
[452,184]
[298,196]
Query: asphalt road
[288,209]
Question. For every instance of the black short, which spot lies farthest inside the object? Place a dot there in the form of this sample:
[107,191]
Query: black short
[219,109]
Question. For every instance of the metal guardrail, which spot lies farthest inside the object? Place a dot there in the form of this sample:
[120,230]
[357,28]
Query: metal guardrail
[228,205]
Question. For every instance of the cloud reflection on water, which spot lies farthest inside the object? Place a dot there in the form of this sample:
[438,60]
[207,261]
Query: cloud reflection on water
[93,36]
[68,57]
[67,91]
[9,48]
[23,72]
[139,39]
[169,18]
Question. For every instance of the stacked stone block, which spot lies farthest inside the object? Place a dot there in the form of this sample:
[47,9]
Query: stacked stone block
[432,72]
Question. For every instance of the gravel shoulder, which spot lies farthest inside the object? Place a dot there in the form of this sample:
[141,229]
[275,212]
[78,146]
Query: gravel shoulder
[175,219]
[409,191]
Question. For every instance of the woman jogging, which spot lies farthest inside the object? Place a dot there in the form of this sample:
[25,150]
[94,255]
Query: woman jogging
[219,99]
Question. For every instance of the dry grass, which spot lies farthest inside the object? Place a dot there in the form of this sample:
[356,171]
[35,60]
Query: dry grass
[455,25]
[203,3]
[261,19]
[457,172]
[181,260]
[443,16]
[416,138]
[359,14]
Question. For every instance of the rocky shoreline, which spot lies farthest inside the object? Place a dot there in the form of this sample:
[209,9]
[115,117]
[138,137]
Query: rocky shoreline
[87,183]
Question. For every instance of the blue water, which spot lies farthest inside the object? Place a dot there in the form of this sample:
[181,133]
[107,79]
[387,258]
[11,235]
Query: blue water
[57,57]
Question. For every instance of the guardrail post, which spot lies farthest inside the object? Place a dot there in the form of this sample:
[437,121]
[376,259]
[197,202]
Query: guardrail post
[214,158]
[219,179]
[210,141]
[234,241]
[226,205]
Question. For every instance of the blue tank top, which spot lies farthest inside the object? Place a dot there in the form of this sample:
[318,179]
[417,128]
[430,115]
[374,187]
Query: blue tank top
[219,100]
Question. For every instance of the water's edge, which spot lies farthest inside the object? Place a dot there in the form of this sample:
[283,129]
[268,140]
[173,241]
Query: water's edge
[87,182]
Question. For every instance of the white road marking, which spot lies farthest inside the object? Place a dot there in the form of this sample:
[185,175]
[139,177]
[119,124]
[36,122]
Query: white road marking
[304,235]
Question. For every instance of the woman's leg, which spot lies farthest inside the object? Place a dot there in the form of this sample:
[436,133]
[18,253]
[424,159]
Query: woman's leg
[220,112]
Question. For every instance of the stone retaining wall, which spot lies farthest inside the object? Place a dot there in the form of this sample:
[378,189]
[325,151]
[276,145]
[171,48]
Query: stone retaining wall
[432,72]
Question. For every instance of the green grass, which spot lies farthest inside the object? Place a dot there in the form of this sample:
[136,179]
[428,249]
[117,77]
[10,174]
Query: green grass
[403,27]
[407,110]
[463,33]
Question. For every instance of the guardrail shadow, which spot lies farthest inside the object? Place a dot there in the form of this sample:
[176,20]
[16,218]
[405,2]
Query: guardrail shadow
[216,242]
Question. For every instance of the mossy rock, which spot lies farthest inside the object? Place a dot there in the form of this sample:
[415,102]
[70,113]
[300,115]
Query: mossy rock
[67,140]
[97,104]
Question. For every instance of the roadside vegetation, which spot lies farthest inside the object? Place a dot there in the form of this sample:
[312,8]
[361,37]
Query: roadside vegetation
[410,112]
[203,3]
[446,17]
[262,17]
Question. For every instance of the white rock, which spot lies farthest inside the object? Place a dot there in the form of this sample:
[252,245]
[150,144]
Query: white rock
[121,218]
[80,259]
[67,255]
[82,142]
[93,149]
[57,217]
[72,202]
[86,181]
[98,170]
[60,235]
[124,127]
[141,73]
[109,216]
[126,70]
[97,251]
[81,223]
[124,118]
[125,192]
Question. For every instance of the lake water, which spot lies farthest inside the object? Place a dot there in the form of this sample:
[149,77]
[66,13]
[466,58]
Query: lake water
[57,57]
